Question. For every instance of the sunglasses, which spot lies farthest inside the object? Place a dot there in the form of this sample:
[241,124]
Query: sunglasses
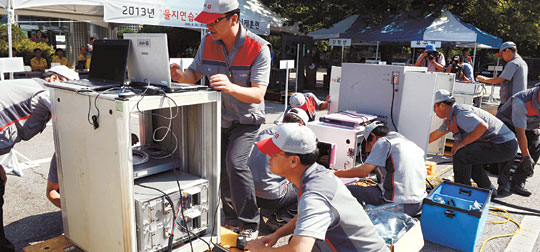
[219,19]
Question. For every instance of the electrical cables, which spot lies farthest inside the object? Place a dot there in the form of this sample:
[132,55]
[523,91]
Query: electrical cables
[156,151]
[508,218]
[168,198]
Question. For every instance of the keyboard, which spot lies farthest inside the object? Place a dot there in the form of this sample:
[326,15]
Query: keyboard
[92,84]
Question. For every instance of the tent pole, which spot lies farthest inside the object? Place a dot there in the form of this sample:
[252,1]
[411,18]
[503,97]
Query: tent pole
[474,56]
[10,37]
[377,52]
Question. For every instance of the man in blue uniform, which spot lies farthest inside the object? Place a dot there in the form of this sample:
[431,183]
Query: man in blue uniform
[479,138]
[513,78]
[521,114]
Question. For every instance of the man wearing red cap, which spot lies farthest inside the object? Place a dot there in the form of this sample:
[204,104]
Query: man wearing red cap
[309,103]
[236,62]
[513,78]
[329,218]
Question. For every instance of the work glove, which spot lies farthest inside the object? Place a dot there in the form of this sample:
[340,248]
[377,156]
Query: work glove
[527,164]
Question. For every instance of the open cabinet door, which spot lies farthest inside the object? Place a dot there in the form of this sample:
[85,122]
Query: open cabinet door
[416,118]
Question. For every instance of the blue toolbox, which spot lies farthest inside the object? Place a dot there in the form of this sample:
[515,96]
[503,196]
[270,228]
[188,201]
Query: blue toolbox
[454,215]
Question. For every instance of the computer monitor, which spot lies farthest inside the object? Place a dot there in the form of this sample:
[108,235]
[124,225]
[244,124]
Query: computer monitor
[109,60]
[148,60]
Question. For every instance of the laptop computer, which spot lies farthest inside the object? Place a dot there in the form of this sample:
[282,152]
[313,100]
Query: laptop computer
[107,66]
[148,62]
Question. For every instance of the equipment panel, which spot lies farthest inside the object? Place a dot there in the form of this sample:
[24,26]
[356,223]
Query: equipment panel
[154,214]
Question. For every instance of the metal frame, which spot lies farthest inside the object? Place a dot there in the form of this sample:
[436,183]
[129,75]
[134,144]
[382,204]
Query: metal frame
[95,169]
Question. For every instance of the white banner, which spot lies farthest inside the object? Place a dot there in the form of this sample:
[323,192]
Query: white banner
[256,26]
[339,42]
[168,13]
[423,43]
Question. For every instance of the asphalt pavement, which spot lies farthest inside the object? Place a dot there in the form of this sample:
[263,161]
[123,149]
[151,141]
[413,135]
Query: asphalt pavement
[29,218]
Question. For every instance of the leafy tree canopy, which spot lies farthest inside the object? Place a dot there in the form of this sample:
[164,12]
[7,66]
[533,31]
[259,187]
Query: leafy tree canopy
[516,20]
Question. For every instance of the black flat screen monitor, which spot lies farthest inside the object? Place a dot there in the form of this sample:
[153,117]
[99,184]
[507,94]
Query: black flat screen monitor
[109,60]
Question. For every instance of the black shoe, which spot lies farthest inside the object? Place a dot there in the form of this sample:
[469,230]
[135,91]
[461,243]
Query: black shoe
[521,191]
[503,192]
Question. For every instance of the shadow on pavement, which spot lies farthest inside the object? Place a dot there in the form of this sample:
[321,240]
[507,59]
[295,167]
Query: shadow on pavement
[27,232]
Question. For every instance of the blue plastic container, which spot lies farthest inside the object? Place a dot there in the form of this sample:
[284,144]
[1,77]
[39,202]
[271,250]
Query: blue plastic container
[453,223]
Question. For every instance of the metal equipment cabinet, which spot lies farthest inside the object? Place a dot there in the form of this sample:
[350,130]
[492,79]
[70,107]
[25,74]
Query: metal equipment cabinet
[401,94]
[345,152]
[95,166]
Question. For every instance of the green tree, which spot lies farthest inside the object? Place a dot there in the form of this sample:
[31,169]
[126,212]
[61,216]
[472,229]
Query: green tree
[24,46]
[120,33]
[183,43]
[516,20]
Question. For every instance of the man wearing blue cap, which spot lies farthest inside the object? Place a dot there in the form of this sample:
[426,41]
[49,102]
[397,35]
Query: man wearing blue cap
[431,59]
[479,138]
[403,170]
[513,78]
[237,63]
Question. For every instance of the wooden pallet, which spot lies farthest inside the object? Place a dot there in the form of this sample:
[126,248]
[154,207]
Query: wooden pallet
[57,244]
[62,244]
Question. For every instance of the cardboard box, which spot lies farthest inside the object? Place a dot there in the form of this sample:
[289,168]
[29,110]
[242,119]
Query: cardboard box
[57,244]
[410,242]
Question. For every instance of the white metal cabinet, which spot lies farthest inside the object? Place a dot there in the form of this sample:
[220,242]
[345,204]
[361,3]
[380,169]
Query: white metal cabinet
[345,142]
[95,167]
[402,95]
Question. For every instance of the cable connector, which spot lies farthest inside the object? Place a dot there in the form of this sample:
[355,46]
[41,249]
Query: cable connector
[95,121]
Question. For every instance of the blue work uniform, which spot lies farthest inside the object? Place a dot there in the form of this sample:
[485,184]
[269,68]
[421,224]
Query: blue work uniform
[523,111]
[497,144]
[515,78]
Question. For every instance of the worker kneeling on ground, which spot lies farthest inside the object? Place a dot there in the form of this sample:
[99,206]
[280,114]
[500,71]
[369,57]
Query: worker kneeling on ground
[273,191]
[479,138]
[309,103]
[329,218]
[403,178]
[521,114]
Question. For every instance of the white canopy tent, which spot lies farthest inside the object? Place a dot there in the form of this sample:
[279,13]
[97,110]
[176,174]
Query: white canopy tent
[255,16]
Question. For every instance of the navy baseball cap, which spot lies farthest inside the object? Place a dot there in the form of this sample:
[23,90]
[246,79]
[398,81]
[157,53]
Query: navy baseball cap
[504,46]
